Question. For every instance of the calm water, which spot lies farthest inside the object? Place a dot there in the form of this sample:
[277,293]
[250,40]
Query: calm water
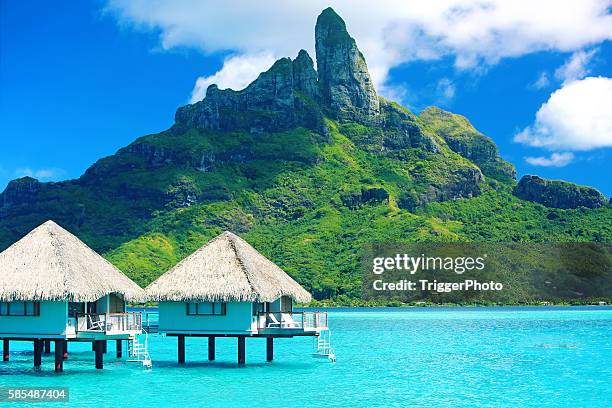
[386,357]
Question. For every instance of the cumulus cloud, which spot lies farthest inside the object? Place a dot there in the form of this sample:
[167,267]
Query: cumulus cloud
[576,67]
[44,174]
[575,117]
[237,72]
[390,32]
[555,160]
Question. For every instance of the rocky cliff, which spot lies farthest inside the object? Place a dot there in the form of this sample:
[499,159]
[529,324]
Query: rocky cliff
[292,93]
[346,88]
[558,194]
[464,139]
[282,98]
[21,191]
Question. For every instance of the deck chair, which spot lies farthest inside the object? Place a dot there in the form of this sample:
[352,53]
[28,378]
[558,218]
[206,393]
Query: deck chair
[288,321]
[95,326]
[272,322]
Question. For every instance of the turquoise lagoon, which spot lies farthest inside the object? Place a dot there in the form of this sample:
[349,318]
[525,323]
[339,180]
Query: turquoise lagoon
[429,357]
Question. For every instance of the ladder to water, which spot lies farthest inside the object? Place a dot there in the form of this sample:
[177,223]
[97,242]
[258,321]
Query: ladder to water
[324,347]
[138,351]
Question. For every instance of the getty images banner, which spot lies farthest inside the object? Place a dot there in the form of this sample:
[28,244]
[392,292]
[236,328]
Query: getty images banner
[521,273]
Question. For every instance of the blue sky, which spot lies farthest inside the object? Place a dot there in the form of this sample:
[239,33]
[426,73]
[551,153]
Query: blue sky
[79,80]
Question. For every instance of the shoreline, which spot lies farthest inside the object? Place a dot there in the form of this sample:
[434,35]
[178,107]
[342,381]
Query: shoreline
[433,306]
[559,306]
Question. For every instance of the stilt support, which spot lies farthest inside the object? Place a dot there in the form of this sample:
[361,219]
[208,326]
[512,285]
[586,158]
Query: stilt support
[99,354]
[211,348]
[65,349]
[269,349]
[47,347]
[5,349]
[38,346]
[241,350]
[59,355]
[119,348]
[181,349]
[104,346]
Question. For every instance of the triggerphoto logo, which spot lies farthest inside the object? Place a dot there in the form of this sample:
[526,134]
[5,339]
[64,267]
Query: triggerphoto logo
[487,272]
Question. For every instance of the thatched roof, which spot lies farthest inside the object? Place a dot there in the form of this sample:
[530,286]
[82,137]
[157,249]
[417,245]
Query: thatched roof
[226,269]
[52,264]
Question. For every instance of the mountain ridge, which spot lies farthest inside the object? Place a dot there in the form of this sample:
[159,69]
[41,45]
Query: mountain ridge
[308,165]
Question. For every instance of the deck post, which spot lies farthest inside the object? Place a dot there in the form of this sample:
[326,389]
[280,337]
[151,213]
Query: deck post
[38,346]
[269,348]
[181,348]
[47,346]
[211,348]
[241,349]
[119,348]
[104,346]
[5,349]
[65,349]
[59,355]
[99,344]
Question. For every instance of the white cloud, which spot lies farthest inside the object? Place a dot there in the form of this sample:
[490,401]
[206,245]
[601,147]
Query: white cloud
[576,66]
[575,117]
[40,174]
[445,90]
[237,72]
[555,160]
[542,82]
[393,92]
[390,32]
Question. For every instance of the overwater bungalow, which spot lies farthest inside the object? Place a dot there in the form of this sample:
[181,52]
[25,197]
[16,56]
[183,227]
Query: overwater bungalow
[228,289]
[54,288]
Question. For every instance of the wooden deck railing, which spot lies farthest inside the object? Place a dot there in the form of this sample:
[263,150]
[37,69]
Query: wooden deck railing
[109,322]
[315,320]
[292,320]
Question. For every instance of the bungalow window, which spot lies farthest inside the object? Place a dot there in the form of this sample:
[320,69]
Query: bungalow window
[286,304]
[19,309]
[206,309]
[16,309]
[261,307]
[192,308]
[258,308]
[30,309]
[76,309]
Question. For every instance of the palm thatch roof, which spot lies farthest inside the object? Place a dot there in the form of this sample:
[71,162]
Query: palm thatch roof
[226,269]
[52,264]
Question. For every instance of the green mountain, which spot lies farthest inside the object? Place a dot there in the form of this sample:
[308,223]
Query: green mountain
[307,166]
